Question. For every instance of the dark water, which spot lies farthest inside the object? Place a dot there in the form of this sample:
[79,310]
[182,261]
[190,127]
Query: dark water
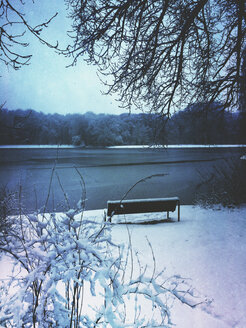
[50,176]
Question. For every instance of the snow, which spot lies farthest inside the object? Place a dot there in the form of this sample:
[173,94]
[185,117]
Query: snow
[121,147]
[208,246]
[34,146]
[177,146]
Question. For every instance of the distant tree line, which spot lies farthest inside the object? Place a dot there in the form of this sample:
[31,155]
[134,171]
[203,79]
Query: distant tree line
[194,125]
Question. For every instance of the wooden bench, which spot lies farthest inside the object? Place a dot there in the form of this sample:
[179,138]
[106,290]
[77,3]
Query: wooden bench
[143,206]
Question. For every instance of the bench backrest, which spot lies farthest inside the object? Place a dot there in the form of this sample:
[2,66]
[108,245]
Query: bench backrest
[142,205]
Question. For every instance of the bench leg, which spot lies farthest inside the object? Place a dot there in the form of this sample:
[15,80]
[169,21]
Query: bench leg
[109,219]
[178,211]
[168,215]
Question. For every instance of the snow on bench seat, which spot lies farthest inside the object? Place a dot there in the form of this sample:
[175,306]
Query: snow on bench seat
[131,206]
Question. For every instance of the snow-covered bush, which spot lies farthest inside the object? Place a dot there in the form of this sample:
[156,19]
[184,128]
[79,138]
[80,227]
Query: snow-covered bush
[76,140]
[224,185]
[67,272]
[7,206]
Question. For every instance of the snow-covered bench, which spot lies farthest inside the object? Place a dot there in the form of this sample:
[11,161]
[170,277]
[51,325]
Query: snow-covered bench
[143,206]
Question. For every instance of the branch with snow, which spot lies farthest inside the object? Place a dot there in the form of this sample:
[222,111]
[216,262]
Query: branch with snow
[69,279]
[68,272]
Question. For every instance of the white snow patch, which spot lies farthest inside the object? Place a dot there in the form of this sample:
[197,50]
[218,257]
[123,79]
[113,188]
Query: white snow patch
[34,146]
[177,146]
[207,245]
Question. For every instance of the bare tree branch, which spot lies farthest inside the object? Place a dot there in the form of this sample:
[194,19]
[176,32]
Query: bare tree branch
[159,54]
[13,28]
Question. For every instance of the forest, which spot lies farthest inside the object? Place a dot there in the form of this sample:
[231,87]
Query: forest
[196,124]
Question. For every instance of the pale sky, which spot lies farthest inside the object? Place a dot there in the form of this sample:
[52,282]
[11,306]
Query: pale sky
[46,84]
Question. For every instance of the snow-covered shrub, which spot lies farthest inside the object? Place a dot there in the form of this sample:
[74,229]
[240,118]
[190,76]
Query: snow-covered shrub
[224,185]
[7,206]
[76,140]
[67,272]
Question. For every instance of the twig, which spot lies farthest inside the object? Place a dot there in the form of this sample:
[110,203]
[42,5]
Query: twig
[49,189]
[134,185]
[64,194]
[153,257]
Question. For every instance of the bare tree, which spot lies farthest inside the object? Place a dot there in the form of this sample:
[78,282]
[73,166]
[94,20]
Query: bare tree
[13,27]
[157,54]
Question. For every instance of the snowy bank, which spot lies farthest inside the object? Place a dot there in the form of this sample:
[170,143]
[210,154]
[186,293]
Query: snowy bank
[120,147]
[34,146]
[207,245]
[177,146]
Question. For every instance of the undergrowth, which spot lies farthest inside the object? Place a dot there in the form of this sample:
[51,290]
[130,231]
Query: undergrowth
[225,184]
[68,272]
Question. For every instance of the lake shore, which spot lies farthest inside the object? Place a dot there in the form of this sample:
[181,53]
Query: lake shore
[122,146]
[108,173]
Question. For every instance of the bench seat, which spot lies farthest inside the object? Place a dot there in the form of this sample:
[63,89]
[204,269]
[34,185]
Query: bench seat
[132,206]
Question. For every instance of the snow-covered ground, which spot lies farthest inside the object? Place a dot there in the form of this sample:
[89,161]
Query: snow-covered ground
[34,146]
[207,245]
[178,146]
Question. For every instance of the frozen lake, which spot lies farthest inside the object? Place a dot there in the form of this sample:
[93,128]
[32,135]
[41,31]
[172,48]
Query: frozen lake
[108,173]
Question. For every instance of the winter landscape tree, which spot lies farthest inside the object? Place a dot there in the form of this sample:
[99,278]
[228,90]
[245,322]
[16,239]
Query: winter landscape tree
[154,54]
[159,54]
[193,125]
[13,28]
[13,40]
